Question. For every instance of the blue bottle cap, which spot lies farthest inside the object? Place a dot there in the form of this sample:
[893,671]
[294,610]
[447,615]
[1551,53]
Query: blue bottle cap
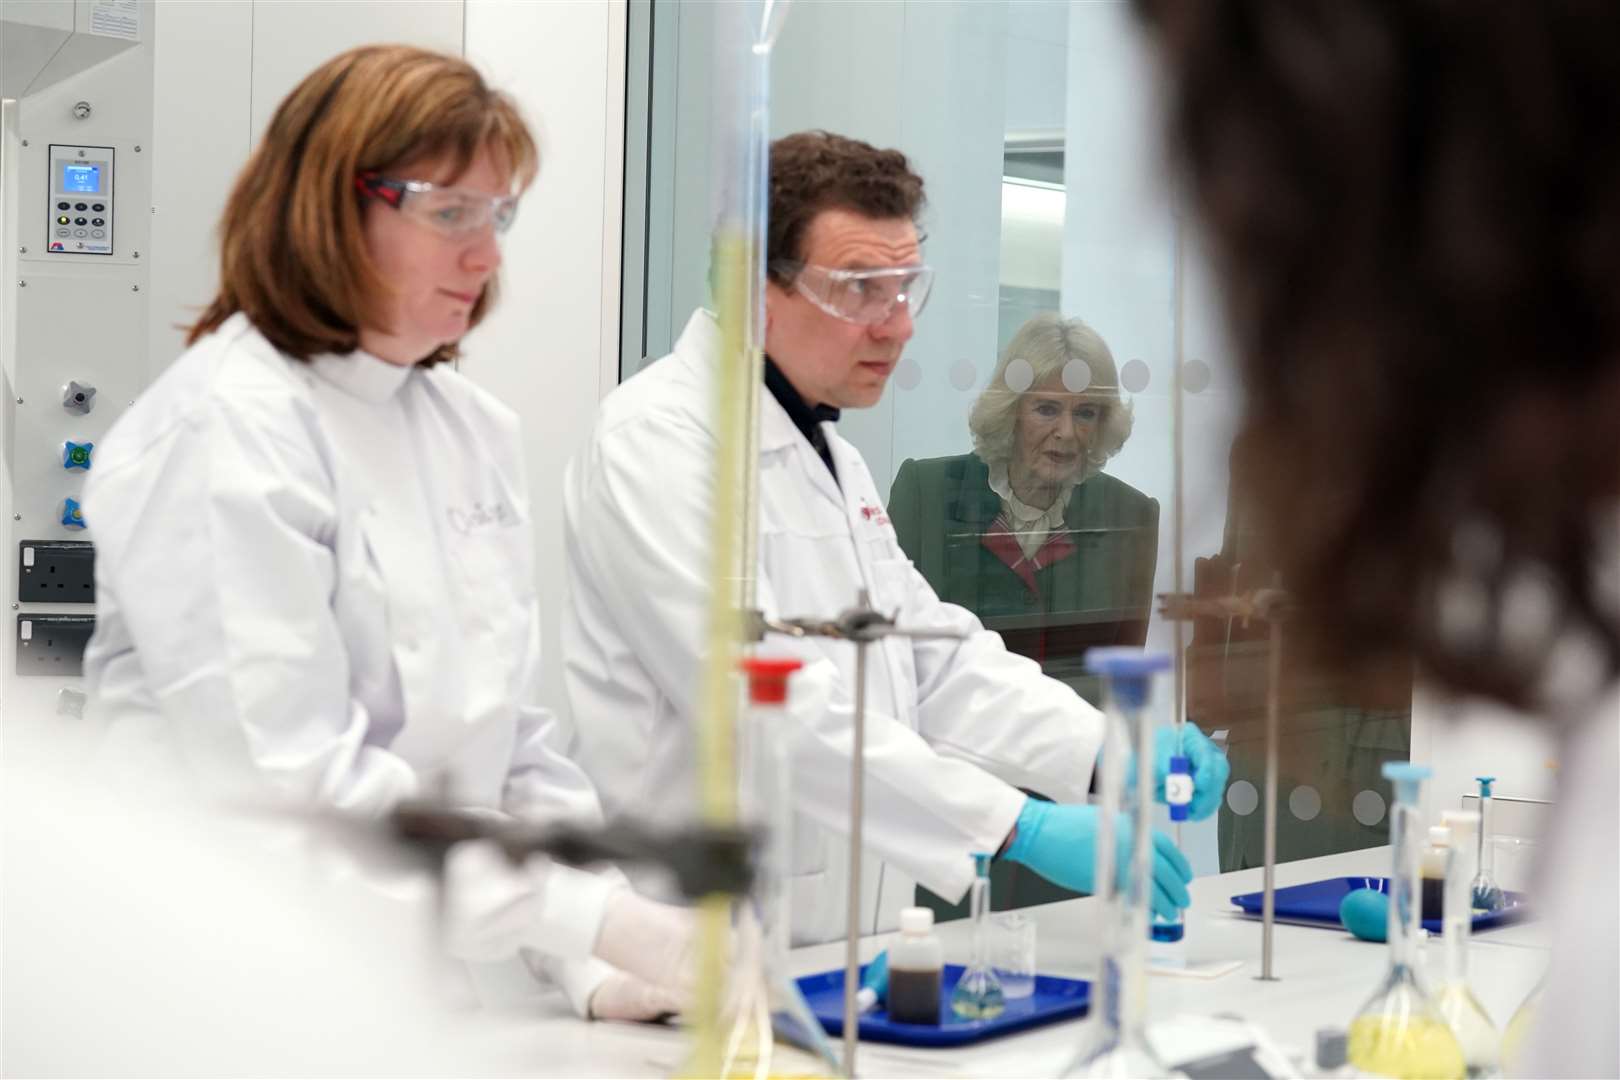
[981,863]
[1485,783]
[1405,777]
[1129,671]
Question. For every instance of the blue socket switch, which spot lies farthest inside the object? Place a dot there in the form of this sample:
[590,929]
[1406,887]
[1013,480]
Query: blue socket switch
[76,455]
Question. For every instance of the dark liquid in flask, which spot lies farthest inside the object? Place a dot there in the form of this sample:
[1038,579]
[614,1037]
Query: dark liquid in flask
[1434,897]
[914,996]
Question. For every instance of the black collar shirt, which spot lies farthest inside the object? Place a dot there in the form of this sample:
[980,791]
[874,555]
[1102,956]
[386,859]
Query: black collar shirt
[806,417]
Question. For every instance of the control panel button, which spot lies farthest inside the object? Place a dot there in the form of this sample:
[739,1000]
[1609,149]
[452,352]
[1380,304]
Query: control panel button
[72,514]
[81,232]
[63,220]
[98,234]
[98,207]
[64,232]
[63,206]
[76,455]
[78,397]
[80,221]
[98,221]
[80,206]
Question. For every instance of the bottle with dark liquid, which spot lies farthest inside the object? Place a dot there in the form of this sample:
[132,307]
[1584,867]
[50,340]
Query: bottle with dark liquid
[1432,870]
[915,964]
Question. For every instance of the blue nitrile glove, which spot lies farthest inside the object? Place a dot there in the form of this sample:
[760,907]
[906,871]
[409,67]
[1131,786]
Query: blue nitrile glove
[1059,842]
[1209,768]
[874,984]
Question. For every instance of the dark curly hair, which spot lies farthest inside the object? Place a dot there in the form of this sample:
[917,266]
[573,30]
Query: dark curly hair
[1414,207]
[812,171]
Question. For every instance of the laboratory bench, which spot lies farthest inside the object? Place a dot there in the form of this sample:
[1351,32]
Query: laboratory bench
[1323,976]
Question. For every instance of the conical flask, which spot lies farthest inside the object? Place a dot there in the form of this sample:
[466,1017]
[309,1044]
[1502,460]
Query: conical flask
[1114,1040]
[1400,1031]
[770,1031]
[1487,893]
[1467,1018]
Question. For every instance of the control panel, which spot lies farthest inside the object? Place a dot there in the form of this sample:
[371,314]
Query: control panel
[80,200]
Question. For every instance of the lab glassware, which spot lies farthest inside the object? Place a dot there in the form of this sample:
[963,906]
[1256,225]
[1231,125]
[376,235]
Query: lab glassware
[978,994]
[1487,893]
[1114,1040]
[1012,953]
[1469,1021]
[1400,1032]
[766,1012]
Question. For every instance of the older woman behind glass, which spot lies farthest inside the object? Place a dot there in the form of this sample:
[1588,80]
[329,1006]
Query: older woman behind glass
[1027,531]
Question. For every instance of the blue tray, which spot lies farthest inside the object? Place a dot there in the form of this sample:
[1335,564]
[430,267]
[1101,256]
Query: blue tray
[1054,999]
[1318,902]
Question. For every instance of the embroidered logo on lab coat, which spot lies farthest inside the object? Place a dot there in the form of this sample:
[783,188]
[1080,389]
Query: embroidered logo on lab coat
[874,514]
[478,516]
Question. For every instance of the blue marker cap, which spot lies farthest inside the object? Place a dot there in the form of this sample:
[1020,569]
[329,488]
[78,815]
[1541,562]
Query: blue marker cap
[1129,671]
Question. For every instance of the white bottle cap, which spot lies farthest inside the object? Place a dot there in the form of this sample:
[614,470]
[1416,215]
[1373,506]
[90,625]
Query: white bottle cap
[916,920]
[1439,836]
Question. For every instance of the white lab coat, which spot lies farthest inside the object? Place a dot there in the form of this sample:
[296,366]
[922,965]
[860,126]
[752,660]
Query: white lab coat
[320,575]
[952,726]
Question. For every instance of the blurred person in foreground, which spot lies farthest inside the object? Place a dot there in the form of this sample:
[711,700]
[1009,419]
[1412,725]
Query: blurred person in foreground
[1415,211]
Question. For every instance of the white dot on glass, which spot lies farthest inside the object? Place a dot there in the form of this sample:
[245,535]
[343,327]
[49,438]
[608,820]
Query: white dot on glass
[1304,802]
[1076,376]
[1368,807]
[1019,376]
[1136,376]
[1242,798]
[908,376]
[964,375]
[1195,376]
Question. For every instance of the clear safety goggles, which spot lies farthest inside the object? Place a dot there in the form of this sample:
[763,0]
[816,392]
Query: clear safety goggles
[866,297]
[455,212]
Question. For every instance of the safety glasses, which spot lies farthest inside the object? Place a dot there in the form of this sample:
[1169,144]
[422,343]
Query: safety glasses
[865,297]
[454,212]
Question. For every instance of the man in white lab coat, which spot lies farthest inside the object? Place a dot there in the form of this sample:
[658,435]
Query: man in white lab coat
[954,727]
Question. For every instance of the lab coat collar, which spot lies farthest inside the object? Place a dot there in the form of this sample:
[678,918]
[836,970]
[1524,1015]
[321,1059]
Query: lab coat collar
[701,342]
[367,377]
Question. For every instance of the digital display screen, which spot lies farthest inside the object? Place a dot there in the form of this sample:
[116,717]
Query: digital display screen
[81,179]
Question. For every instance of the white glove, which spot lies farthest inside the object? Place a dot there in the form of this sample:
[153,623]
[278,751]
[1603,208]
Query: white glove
[625,997]
[651,941]
[493,908]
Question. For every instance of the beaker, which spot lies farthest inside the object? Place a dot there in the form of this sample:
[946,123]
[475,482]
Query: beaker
[1114,1040]
[1468,1019]
[1487,893]
[978,994]
[1400,1032]
[764,1013]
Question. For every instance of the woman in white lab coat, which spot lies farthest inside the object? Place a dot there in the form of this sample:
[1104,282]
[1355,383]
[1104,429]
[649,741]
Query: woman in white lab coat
[1416,208]
[314,559]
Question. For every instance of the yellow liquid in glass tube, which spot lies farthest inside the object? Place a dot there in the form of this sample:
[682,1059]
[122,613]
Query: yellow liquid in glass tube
[1412,1048]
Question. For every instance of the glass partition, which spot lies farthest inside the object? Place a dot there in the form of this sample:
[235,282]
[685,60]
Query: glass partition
[1059,434]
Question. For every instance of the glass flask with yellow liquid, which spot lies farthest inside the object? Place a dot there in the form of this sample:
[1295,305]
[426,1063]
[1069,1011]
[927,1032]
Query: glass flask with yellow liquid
[1400,1032]
[1469,1021]
[767,1028]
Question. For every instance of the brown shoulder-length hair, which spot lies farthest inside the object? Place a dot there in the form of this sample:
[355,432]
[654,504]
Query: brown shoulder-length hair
[1415,207]
[293,255]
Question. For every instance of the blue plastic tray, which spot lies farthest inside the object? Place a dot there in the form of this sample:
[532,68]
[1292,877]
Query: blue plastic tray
[1318,902]
[1054,999]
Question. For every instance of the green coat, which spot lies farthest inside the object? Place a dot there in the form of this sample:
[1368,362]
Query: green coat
[1093,586]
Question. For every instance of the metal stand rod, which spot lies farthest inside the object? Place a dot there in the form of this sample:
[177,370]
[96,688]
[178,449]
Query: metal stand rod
[857,793]
[1268,901]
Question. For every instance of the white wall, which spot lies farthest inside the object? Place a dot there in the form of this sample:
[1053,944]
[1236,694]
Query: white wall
[551,348]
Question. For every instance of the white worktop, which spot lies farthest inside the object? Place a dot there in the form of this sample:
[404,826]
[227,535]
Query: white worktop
[1323,977]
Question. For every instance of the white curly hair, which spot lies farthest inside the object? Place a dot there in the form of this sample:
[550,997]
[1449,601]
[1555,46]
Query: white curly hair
[1048,343]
